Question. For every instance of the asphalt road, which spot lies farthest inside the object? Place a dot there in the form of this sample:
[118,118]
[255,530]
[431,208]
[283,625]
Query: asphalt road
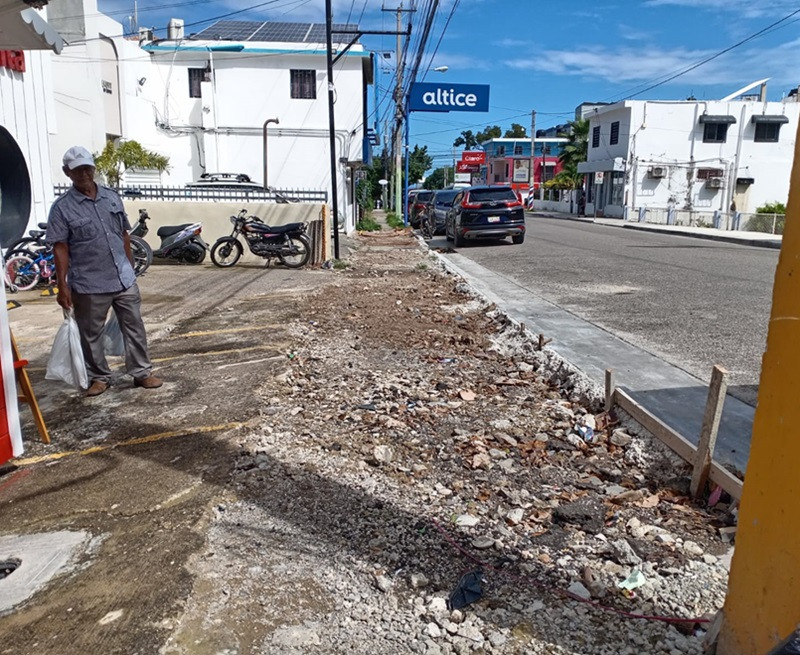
[692,302]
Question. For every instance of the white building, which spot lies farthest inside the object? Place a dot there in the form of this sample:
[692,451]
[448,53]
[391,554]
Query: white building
[27,116]
[697,156]
[203,100]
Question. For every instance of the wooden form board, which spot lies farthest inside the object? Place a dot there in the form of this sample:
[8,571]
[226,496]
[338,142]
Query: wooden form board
[676,442]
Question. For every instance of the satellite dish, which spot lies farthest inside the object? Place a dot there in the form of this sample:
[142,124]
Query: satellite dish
[383,182]
[15,190]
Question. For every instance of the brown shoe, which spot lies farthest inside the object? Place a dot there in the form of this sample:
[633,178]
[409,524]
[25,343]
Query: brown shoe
[150,382]
[97,387]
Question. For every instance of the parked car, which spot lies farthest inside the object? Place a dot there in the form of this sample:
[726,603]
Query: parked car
[485,212]
[439,204]
[416,203]
[225,181]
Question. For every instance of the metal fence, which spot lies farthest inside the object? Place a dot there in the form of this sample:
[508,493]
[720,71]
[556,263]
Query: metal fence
[743,221]
[213,194]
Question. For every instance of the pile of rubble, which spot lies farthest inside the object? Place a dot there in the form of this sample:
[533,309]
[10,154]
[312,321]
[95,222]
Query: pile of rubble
[420,455]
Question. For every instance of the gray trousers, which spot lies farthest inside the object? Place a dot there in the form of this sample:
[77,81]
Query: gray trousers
[91,311]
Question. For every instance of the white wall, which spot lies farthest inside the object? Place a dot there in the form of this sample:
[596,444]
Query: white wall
[26,112]
[669,134]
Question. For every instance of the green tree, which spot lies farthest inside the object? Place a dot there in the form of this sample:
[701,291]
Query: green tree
[576,149]
[419,162]
[467,139]
[517,131]
[119,156]
[436,179]
[376,171]
[490,132]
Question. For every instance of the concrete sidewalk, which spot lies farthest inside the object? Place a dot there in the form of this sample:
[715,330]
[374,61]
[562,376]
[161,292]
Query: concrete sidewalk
[758,239]
[670,393]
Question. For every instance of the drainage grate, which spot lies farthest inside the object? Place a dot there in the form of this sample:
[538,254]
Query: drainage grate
[8,566]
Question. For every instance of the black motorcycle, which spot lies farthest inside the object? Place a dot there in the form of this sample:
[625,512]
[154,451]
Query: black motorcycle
[288,243]
[181,242]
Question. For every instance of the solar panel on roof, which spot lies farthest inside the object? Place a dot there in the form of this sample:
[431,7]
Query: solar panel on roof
[242,30]
[230,30]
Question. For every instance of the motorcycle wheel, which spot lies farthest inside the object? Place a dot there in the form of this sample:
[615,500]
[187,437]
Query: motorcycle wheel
[193,253]
[21,272]
[226,252]
[142,255]
[297,254]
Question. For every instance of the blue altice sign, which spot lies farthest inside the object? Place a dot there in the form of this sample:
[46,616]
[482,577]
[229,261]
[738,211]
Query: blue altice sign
[425,96]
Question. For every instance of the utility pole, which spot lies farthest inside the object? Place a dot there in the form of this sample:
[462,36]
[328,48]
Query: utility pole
[533,154]
[399,114]
[332,130]
[398,138]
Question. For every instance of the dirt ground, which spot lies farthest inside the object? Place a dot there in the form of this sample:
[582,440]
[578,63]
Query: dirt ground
[331,451]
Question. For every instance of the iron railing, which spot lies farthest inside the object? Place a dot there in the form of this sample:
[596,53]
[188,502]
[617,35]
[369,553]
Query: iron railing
[214,194]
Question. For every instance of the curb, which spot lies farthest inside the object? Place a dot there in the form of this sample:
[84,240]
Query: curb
[756,243]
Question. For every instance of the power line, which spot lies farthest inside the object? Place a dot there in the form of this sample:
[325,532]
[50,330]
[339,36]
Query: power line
[441,36]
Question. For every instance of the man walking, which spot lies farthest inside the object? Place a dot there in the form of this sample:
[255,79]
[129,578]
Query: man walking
[88,229]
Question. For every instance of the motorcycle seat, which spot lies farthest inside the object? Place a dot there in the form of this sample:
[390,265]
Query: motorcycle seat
[169,230]
[277,229]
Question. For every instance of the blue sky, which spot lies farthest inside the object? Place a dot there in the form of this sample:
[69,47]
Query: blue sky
[549,56]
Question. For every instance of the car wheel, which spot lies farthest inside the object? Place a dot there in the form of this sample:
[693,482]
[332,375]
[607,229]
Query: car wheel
[518,239]
[447,233]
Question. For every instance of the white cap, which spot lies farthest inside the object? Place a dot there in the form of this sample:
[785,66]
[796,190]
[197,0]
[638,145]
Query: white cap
[78,156]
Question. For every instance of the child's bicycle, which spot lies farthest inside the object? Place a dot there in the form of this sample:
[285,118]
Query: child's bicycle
[25,269]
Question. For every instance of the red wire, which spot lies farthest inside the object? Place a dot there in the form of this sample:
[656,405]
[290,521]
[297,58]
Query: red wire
[560,592]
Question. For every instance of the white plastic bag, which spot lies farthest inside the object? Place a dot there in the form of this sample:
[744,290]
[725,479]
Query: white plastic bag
[112,337]
[66,358]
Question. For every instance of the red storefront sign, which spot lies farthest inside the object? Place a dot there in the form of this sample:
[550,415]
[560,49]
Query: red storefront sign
[13,60]
[473,157]
[464,167]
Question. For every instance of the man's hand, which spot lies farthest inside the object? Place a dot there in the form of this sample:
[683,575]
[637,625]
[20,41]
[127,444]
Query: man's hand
[64,297]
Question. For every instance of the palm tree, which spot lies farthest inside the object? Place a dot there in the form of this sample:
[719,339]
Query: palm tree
[576,149]
[118,156]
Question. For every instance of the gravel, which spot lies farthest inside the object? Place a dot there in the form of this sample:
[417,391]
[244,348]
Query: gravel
[433,439]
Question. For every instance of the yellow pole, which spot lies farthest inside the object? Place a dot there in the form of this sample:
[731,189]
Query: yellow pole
[763,602]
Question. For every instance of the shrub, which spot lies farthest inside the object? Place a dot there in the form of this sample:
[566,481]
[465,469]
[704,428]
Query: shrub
[394,221]
[367,224]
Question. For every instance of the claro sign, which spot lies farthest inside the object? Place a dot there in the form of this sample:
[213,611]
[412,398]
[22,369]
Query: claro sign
[425,96]
[13,60]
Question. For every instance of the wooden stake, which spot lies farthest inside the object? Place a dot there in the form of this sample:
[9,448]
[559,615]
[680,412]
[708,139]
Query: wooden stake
[708,433]
[610,386]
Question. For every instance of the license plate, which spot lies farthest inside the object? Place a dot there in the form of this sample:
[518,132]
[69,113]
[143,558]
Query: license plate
[493,219]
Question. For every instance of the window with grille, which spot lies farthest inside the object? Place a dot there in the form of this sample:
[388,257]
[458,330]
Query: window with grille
[767,132]
[501,150]
[614,139]
[715,132]
[304,84]
[708,173]
[517,150]
[596,137]
[196,76]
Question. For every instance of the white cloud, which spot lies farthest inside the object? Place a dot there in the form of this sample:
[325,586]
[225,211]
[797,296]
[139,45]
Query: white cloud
[628,65]
[748,8]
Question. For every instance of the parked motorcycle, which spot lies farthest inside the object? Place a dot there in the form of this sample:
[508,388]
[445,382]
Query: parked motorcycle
[181,242]
[288,243]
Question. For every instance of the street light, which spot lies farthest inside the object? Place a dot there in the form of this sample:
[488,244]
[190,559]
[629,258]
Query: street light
[441,69]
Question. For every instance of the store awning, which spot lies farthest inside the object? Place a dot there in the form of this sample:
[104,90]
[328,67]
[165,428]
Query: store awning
[717,118]
[779,119]
[602,165]
[25,29]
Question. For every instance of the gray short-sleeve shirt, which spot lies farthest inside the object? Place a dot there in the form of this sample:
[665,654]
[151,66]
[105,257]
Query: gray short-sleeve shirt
[94,231]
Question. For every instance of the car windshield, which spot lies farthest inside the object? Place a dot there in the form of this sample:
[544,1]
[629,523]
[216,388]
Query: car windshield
[445,197]
[487,195]
[424,196]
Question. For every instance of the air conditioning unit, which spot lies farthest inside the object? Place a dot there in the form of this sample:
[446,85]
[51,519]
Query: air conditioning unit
[714,183]
[657,171]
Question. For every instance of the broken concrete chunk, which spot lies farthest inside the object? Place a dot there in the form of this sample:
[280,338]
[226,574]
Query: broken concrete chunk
[383,454]
[467,521]
[481,543]
[620,438]
[577,589]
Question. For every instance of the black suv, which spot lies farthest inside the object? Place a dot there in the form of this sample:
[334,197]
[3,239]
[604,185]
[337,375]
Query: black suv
[486,212]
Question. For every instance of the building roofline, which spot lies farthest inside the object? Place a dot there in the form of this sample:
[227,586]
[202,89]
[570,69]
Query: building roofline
[161,46]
